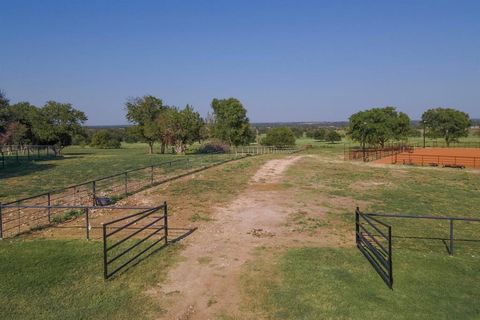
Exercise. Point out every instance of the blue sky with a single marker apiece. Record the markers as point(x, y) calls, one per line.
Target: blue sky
point(285, 60)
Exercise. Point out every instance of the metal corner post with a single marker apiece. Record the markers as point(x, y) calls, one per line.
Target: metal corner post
point(165, 220)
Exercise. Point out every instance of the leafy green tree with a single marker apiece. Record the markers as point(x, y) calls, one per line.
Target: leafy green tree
point(447, 123)
point(279, 137)
point(4, 115)
point(377, 126)
point(231, 123)
point(144, 113)
point(56, 123)
point(27, 116)
point(333, 136)
point(105, 139)
point(319, 134)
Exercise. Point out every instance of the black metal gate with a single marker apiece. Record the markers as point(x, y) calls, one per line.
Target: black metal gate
point(374, 239)
point(119, 252)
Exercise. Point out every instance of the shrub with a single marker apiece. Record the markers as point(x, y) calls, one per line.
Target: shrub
point(333, 136)
point(213, 146)
point(104, 139)
point(279, 137)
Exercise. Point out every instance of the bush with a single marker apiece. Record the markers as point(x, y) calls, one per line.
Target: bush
point(279, 137)
point(333, 136)
point(104, 139)
point(213, 146)
point(319, 134)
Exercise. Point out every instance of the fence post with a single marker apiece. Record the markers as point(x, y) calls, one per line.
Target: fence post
point(94, 191)
point(87, 223)
point(105, 271)
point(451, 237)
point(151, 175)
point(126, 183)
point(49, 213)
point(390, 263)
point(1, 222)
point(165, 220)
point(357, 226)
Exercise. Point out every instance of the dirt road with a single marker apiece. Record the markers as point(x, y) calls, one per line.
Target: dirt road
point(205, 283)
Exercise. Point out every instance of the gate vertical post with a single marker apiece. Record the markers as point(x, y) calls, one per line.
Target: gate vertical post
point(105, 271)
point(49, 212)
point(87, 223)
point(451, 238)
point(165, 220)
point(357, 226)
point(151, 175)
point(94, 192)
point(1, 222)
point(390, 264)
point(126, 183)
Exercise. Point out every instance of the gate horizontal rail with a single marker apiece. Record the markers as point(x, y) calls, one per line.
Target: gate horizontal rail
point(133, 219)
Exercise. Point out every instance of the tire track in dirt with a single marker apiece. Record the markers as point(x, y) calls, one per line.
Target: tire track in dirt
point(205, 283)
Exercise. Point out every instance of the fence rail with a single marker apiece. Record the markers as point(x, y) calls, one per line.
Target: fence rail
point(22, 215)
point(443, 144)
point(372, 154)
point(15, 154)
point(435, 160)
point(372, 242)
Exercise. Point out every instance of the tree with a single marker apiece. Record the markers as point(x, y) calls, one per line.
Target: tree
point(332, 136)
point(144, 113)
point(105, 139)
point(279, 137)
point(446, 123)
point(231, 123)
point(319, 134)
point(4, 115)
point(377, 126)
point(56, 124)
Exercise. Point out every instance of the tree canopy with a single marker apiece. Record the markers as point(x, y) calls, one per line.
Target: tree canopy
point(231, 123)
point(55, 123)
point(333, 136)
point(377, 126)
point(279, 137)
point(144, 113)
point(446, 123)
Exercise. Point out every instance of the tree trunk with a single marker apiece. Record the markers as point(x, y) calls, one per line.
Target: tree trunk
point(150, 147)
point(162, 148)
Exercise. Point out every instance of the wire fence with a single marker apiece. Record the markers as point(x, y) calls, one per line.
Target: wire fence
point(16, 154)
point(436, 160)
point(23, 215)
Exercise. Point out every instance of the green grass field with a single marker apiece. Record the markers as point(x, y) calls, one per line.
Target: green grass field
point(60, 279)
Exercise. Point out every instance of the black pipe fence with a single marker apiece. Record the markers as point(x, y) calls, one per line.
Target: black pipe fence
point(128, 238)
point(16, 154)
point(33, 212)
point(379, 255)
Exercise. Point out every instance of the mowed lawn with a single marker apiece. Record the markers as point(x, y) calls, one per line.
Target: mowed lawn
point(55, 279)
point(332, 282)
